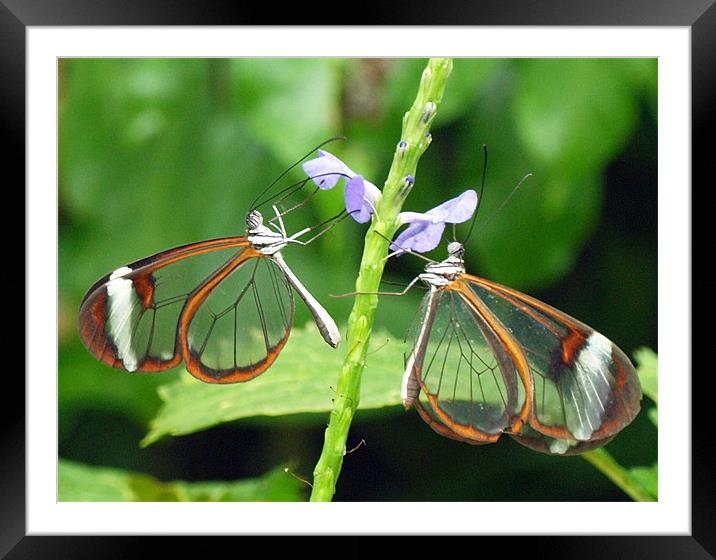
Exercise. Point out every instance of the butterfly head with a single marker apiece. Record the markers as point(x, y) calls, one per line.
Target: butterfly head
point(456, 250)
point(254, 220)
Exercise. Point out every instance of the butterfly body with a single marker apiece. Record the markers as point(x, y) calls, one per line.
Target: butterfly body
point(442, 274)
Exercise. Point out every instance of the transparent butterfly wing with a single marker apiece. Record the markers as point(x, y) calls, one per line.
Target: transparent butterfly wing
point(469, 388)
point(129, 318)
point(186, 304)
point(239, 328)
point(556, 446)
point(584, 388)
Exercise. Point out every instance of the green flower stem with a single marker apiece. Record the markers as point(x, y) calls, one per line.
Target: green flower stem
point(415, 140)
point(620, 476)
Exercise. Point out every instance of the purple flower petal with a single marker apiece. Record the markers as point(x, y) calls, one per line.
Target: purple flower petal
point(456, 210)
point(453, 211)
point(355, 200)
point(361, 197)
point(326, 170)
point(420, 237)
point(427, 228)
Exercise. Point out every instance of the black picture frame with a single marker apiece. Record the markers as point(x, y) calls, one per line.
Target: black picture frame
point(17, 15)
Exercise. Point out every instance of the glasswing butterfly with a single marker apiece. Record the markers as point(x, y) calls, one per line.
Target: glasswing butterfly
point(487, 360)
point(224, 307)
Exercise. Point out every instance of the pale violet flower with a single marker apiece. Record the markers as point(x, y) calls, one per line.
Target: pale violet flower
point(361, 196)
point(425, 230)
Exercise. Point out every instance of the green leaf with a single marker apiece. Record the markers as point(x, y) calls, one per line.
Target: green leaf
point(647, 369)
point(636, 480)
point(648, 477)
point(300, 381)
point(626, 479)
point(86, 483)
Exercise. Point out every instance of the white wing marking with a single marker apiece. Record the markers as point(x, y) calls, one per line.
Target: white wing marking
point(120, 292)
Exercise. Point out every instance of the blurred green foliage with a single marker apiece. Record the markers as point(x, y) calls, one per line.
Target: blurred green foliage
point(82, 483)
point(159, 152)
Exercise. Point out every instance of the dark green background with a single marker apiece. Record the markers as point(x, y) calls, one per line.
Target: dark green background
point(157, 153)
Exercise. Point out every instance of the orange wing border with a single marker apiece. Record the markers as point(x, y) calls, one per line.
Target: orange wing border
point(626, 403)
point(93, 313)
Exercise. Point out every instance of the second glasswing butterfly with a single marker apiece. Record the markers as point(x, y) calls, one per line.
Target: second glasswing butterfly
point(224, 306)
point(487, 359)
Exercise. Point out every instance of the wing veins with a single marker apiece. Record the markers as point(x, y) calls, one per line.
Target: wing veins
point(170, 300)
point(487, 367)
point(473, 370)
point(127, 315)
point(472, 411)
point(206, 338)
point(499, 390)
point(464, 333)
point(561, 401)
point(262, 318)
point(588, 379)
point(240, 296)
point(276, 292)
point(577, 408)
point(236, 334)
point(442, 369)
point(148, 351)
point(457, 375)
point(427, 371)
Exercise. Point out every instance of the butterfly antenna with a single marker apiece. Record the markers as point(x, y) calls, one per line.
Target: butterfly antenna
point(329, 224)
point(295, 206)
point(297, 187)
point(479, 196)
point(286, 192)
point(504, 203)
point(285, 172)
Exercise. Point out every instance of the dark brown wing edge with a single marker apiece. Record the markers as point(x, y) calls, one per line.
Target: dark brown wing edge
point(93, 309)
point(431, 412)
point(627, 394)
point(193, 362)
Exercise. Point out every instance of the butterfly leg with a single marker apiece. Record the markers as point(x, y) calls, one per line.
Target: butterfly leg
point(401, 293)
point(325, 323)
point(280, 221)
